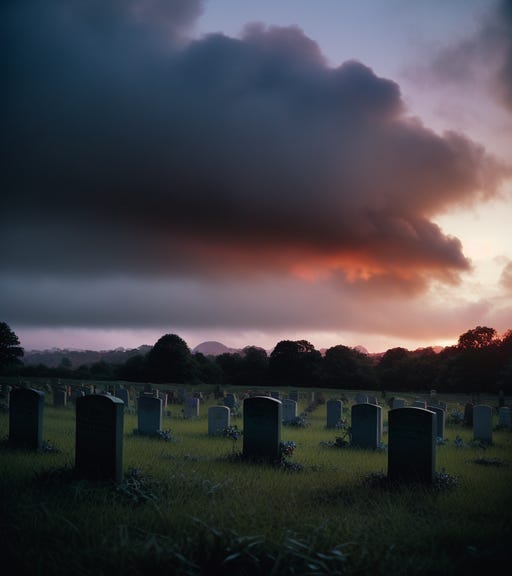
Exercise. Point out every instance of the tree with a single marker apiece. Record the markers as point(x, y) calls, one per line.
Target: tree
point(10, 350)
point(295, 363)
point(170, 360)
point(347, 368)
point(478, 338)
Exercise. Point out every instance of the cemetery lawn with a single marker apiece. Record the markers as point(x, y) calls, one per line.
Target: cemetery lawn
point(188, 504)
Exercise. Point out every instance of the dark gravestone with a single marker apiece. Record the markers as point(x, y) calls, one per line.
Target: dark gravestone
point(366, 425)
point(468, 414)
point(262, 418)
point(149, 415)
point(411, 445)
point(334, 412)
point(218, 419)
point(99, 438)
point(26, 418)
point(124, 395)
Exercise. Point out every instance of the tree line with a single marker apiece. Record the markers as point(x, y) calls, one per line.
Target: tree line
point(481, 361)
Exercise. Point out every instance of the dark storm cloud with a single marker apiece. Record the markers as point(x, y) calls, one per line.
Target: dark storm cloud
point(127, 150)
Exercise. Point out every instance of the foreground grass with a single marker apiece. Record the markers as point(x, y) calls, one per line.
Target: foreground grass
point(188, 506)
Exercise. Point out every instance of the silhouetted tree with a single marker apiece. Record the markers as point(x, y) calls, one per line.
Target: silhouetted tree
point(170, 360)
point(295, 363)
point(10, 350)
point(344, 367)
point(393, 369)
point(208, 371)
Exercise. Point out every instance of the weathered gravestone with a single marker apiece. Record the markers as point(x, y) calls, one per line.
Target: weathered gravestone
point(230, 401)
point(262, 417)
point(99, 438)
point(191, 407)
point(411, 445)
point(482, 423)
point(334, 412)
point(218, 419)
point(149, 415)
point(366, 425)
point(289, 410)
point(26, 418)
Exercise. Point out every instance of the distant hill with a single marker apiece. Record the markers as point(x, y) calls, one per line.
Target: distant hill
point(213, 348)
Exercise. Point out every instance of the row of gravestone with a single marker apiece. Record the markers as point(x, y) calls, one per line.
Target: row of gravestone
point(412, 432)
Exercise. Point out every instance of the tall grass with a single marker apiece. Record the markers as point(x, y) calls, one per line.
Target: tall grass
point(187, 506)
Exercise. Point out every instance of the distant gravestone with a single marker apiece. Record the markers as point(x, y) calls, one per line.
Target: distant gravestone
point(275, 394)
point(191, 407)
point(60, 397)
point(334, 412)
point(366, 426)
point(230, 400)
point(482, 423)
point(124, 395)
point(218, 419)
point(468, 414)
point(504, 417)
point(294, 395)
point(419, 403)
point(411, 445)
point(26, 418)
point(440, 419)
point(149, 415)
point(372, 400)
point(398, 403)
point(289, 410)
point(361, 398)
point(262, 417)
point(99, 438)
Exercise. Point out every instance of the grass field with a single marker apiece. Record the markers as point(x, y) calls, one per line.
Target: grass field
point(188, 505)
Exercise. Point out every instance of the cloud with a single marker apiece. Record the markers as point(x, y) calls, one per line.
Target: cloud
point(485, 56)
point(131, 152)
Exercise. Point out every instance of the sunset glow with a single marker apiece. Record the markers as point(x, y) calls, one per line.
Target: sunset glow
point(252, 172)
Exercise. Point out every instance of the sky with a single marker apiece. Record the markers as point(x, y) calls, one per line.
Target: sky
point(250, 172)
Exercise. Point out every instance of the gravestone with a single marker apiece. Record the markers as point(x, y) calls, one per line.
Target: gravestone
point(468, 414)
point(262, 417)
point(372, 400)
point(440, 419)
point(218, 419)
point(5, 391)
point(334, 412)
point(230, 400)
point(26, 418)
point(361, 398)
point(482, 423)
point(124, 395)
point(289, 410)
point(366, 425)
point(191, 407)
point(294, 395)
point(398, 403)
point(60, 396)
point(419, 403)
point(411, 445)
point(149, 415)
point(504, 417)
point(275, 394)
point(99, 438)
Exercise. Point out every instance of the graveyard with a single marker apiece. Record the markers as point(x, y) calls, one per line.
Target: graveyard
point(119, 479)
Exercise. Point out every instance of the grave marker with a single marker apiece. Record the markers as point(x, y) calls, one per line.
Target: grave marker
point(26, 418)
point(218, 419)
point(366, 425)
point(99, 437)
point(411, 445)
point(289, 410)
point(149, 415)
point(482, 423)
point(334, 412)
point(262, 417)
